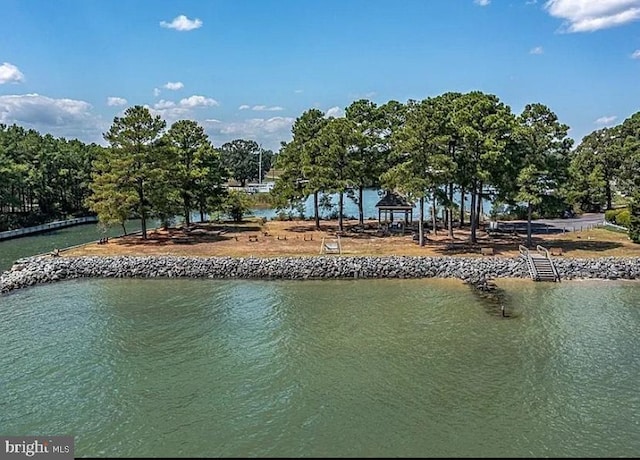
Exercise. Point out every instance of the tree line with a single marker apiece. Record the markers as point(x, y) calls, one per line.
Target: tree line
point(42, 178)
point(146, 172)
point(468, 143)
point(471, 144)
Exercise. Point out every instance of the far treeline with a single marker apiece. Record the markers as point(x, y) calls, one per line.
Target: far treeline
point(147, 171)
point(469, 143)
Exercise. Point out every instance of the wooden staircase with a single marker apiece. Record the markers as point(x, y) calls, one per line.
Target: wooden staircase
point(539, 264)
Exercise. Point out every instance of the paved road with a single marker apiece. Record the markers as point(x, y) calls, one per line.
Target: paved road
point(539, 226)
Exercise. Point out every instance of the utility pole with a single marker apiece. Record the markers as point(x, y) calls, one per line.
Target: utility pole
point(260, 166)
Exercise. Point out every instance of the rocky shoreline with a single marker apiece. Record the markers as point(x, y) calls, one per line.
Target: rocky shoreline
point(45, 269)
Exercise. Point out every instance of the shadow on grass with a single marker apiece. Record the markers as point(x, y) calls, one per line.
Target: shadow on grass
point(583, 245)
point(172, 238)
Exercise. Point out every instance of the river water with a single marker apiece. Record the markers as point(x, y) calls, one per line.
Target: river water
point(13, 249)
point(370, 198)
point(323, 368)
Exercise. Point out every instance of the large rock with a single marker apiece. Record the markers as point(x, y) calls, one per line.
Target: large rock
point(44, 269)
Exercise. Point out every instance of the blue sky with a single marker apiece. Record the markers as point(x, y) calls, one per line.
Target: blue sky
point(248, 68)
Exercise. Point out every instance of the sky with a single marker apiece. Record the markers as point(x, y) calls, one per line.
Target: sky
point(246, 69)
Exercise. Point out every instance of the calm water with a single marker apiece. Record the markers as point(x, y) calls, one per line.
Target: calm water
point(327, 368)
point(370, 198)
point(11, 250)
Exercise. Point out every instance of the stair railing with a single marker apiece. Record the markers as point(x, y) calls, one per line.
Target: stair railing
point(544, 251)
point(524, 252)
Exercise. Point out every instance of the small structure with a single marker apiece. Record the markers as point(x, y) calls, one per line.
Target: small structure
point(331, 247)
point(391, 204)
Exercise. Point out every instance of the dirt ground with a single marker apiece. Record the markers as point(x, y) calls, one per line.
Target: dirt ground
point(299, 238)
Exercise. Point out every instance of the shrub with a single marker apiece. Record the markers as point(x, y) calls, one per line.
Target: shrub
point(237, 205)
point(610, 215)
point(624, 218)
point(614, 216)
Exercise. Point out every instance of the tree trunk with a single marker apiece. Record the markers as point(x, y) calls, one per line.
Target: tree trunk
point(479, 205)
point(461, 207)
point(316, 210)
point(340, 205)
point(143, 213)
point(473, 215)
point(360, 205)
point(434, 217)
point(450, 211)
point(609, 197)
point(421, 223)
point(187, 210)
point(529, 207)
point(201, 214)
point(124, 229)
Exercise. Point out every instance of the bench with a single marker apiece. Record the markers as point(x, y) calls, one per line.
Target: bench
point(253, 238)
point(331, 247)
point(486, 251)
point(555, 251)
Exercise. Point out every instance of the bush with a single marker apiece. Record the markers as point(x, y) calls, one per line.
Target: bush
point(624, 218)
point(618, 216)
point(237, 205)
point(610, 215)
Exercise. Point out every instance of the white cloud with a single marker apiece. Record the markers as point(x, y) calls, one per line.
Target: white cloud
point(184, 109)
point(198, 101)
point(173, 86)
point(116, 101)
point(182, 23)
point(244, 107)
point(170, 112)
point(358, 96)
point(162, 104)
point(256, 126)
point(34, 108)
point(264, 108)
point(335, 112)
point(482, 2)
point(591, 15)
point(212, 120)
point(537, 50)
point(69, 118)
point(636, 54)
point(298, 91)
point(10, 74)
point(268, 132)
point(156, 92)
point(606, 120)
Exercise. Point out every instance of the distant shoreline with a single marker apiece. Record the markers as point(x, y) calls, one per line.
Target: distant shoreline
point(49, 226)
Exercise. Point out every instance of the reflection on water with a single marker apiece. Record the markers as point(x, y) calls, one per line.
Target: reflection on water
point(323, 368)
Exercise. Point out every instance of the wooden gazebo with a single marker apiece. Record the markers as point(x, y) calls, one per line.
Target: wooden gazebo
point(391, 204)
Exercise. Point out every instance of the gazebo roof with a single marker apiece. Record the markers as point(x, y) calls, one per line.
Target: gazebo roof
point(393, 201)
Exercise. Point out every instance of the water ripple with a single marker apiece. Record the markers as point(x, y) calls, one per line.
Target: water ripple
point(330, 368)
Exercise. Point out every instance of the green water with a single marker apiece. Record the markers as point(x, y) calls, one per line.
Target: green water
point(13, 249)
point(327, 368)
